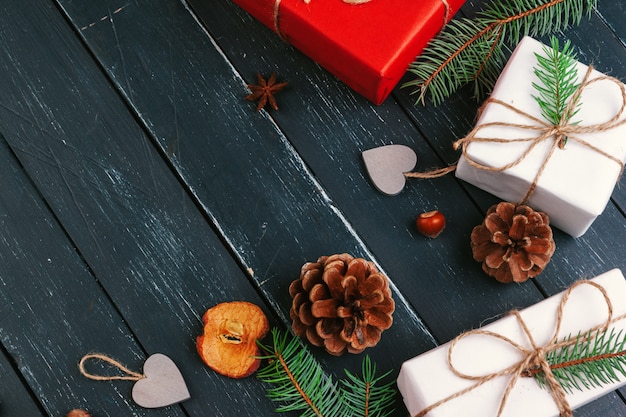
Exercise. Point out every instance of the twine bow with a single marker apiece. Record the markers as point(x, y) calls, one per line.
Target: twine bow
point(544, 131)
point(533, 358)
point(446, 17)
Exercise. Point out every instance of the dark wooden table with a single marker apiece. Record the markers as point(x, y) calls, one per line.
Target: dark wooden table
point(138, 189)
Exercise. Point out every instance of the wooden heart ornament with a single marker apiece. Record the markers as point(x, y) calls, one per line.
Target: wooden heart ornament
point(386, 166)
point(162, 383)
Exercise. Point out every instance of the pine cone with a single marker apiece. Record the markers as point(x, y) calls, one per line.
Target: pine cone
point(514, 242)
point(342, 303)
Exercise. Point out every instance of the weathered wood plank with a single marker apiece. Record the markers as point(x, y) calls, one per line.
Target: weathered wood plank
point(52, 311)
point(135, 226)
point(15, 399)
point(612, 13)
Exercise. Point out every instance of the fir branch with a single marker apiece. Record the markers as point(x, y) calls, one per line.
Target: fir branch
point(557, 74)
point(365, 396)
point(589, 362)
point(301, 384)
point(474, 50)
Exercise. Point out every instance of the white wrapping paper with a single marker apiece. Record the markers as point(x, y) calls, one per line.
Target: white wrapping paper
point(577, 182)
point(427, 378)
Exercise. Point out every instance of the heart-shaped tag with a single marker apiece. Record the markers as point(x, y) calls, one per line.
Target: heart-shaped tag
point(162, 384)
point(386, 166)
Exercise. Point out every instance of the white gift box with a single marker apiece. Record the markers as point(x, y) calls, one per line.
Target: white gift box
point(427, 379)
point(578, 181)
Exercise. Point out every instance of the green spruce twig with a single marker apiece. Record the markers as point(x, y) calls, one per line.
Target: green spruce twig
point(299, 383)
point(557, 74)
point(474, 50)
point(365, 395)
point(588, 362)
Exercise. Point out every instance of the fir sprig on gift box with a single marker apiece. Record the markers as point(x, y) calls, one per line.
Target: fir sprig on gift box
point(558, 75)
point(301, 384)
point(474, 50)
point(588, 362)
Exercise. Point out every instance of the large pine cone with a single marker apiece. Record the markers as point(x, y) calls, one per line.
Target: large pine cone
point(514, 242)
point(342, 303)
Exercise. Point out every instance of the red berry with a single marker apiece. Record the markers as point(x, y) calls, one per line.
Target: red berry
point(431, 223)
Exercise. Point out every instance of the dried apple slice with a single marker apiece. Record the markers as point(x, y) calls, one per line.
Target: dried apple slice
point(228, 345)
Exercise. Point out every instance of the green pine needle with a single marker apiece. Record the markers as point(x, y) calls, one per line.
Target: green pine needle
point(589, 362)
point(557, 74)
point(301, 384)
point(474, 50)
point(365, 396)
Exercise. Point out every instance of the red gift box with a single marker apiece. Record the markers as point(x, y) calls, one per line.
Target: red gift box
point(368, 46)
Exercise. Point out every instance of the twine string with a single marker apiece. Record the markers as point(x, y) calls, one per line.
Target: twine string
point(276, 12)
point(277, 19)
point(533, 358)
point(129, 375)
point(446, 11)
point(543, 131)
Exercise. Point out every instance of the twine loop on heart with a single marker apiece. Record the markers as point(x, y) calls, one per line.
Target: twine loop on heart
point(446, 17)
point(129, 375)
point(559, 133)
point(533, 358)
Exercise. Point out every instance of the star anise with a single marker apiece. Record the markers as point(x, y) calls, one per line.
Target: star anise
point(263, 93)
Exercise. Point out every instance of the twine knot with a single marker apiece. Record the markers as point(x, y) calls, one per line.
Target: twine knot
point(559, 134)
point(533, 359)
point(534, 363)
